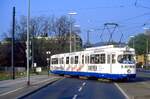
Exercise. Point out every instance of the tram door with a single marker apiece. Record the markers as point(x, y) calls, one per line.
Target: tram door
point(109, 62)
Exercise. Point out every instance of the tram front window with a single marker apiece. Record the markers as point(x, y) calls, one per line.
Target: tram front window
point(126, 59)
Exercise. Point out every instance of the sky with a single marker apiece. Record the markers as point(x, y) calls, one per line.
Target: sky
point(91, 15)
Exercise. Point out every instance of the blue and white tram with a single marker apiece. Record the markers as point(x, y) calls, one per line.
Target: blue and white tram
point(110, 62)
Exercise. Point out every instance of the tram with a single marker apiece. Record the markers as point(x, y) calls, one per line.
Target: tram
point(108, 62)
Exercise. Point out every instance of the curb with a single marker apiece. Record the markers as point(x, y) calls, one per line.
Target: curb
point(41, 87)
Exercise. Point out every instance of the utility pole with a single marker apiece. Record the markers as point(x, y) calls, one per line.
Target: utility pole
point(88, 37)
point(70, 31)
point(32, 47)
point(70, 35)
point(12, 51)
point(28, 30)
point(74, 42)
point(147, 52)
point(88, 41)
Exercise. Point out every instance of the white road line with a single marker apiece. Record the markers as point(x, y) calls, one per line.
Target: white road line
point(126, 96)
point(80, 89)
point(11, 91)
point(75, 96)
point(84, 84)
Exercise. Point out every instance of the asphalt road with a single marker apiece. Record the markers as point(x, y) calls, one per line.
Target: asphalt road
point(74, 88)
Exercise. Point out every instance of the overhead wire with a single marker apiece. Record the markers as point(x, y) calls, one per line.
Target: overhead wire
point(137, 5)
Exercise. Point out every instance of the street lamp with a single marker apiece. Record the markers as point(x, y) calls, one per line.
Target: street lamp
point(88, 37)
point(48, 60)
point(75, 26)
point(133, 42)
point(70, 14)
point(147, 32)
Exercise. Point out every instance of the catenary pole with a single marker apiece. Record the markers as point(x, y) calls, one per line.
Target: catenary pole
point(28, 30)
point(12, 51)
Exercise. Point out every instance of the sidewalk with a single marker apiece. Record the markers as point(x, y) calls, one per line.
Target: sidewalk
point(12, 89)
point(138, 89)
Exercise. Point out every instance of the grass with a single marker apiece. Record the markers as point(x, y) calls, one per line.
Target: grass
point(8, 75)
point(4, 76)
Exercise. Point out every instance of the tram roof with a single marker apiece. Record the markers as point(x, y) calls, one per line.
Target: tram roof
point(104, 47)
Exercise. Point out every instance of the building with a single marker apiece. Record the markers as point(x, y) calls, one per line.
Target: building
point(76, 40)
point(140, 59)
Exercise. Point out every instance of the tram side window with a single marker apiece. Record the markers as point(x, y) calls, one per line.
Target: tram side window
point(54, 60)
point(86, 59)
point(82, 59)
point(102, 56)
point(97, 59)
point(113, 58)
point(92, 57)
point(76, 59)
point(67, 60)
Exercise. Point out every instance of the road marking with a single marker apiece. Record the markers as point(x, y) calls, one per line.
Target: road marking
point(80, 89)
point(11, 91)
point(75, 96)
point(84, 84)
point(122, 91)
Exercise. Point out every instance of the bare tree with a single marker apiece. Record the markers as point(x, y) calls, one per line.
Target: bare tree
point(56, 28)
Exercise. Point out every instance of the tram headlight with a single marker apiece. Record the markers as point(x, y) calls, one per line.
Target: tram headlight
point(129, 71)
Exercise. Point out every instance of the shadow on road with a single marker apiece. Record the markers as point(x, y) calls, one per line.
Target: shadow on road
point(141, 77)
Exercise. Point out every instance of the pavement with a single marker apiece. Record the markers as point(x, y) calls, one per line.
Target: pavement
point(137, 89)
point(73, 88)
point(18, 88)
